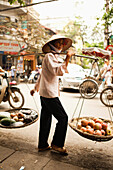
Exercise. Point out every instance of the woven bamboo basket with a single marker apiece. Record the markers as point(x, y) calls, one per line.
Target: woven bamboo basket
point(25, 124)
point(73, 124)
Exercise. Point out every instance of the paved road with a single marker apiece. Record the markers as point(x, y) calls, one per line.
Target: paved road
point(83, 153)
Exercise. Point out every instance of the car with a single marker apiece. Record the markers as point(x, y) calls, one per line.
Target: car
point(72, 79)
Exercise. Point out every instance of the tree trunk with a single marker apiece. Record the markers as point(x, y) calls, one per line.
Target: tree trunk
point(107, 28)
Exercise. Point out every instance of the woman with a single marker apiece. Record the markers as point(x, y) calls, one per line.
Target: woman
point(47, 85)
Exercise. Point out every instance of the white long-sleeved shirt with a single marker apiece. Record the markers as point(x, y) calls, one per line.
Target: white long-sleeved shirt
point(48, 84)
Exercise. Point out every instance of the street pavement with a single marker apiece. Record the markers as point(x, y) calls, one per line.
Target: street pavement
point(18, 148)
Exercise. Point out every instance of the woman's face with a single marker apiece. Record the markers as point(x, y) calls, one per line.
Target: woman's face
point(59, 44)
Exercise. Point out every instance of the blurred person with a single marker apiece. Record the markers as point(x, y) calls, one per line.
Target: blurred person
point(18, 75)
point(107, 72)
point(37, 72)
point(40, 68)
point(95, 70)
point(47, 85)
point(13, 72)
point(37, 69)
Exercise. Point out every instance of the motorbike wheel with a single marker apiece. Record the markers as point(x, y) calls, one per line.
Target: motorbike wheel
point(30, 81)
point(16, 99)
point(106, 96)
point(88, 89)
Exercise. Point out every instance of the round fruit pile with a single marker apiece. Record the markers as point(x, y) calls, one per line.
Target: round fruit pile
point(18, 118)
point(94, 126)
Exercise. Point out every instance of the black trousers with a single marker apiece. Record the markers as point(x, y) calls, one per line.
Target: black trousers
point(52, 106)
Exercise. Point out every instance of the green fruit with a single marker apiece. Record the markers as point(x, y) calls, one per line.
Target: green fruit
point(3, 116)
point(7, 121)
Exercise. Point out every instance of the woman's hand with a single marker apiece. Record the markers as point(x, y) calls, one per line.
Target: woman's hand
point(70, 53)
point(32, 92)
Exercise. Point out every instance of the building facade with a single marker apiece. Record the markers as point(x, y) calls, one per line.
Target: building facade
point(12, 44)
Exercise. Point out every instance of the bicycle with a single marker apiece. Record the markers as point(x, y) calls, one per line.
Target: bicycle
point(106, 96)
point(89, 87)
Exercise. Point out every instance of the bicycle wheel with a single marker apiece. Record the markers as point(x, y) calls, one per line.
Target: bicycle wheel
point(106, 96)
point(88, 89)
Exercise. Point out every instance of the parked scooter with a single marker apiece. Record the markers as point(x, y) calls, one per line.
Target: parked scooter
point(10, 93)
point(33, 77)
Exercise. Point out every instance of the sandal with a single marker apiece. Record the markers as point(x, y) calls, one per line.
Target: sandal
point(44, 149)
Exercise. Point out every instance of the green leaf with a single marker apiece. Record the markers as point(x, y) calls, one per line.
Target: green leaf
point(21, 2)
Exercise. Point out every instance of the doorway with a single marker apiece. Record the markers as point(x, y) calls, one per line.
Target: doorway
point(28, 67)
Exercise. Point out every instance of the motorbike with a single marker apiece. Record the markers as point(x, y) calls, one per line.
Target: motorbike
point(33, 77)
point(10, 93)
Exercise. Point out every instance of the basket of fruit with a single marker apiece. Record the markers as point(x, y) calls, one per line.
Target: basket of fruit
point(17, 118)
point(96, 129)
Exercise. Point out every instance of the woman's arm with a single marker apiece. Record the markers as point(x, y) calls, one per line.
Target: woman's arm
point(36, 88)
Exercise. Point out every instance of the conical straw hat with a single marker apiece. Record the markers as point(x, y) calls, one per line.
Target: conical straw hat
point(67, 43)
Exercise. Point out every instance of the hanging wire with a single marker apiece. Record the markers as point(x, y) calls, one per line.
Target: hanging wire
point(33, 98)
point(76, 107)
point(109, 108)
point(110, 112)
point(80, 109)
point(26, 5)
